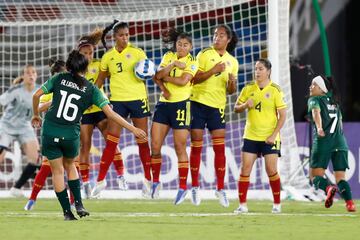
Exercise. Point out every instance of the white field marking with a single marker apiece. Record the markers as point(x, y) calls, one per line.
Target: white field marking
point(144, 214)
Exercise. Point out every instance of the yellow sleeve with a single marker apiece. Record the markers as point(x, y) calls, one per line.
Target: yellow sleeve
point(191, 67)
point(165, 60)
point(104, 63)
point(201, 59)
point(235, 69)
point(279, 100)
point(46, 98)
point(243, 96)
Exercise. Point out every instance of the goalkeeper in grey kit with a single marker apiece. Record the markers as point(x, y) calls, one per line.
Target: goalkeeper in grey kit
point(72, 95)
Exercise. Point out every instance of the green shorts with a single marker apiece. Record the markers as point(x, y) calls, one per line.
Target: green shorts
point(339, 160)
point(53, 147)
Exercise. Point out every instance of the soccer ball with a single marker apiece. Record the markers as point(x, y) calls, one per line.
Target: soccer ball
point(144, 69)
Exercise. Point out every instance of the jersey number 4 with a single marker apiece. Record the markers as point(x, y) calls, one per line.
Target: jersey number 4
point(66, 105)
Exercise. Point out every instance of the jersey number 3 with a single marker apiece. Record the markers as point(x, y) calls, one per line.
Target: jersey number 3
point(66, 105)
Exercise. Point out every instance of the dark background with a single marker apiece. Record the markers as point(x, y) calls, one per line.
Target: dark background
point(343, 37)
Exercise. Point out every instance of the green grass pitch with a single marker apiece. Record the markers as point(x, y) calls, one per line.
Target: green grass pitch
point(160, 219)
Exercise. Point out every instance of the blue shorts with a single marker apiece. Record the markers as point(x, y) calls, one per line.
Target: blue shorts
point(261, 148)
point(93, 118)
point(205, 116)
point(177, 115)
point(134, 109)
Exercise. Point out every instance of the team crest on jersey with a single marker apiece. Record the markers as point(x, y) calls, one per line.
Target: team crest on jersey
point(128, 56)
point(228, 63)
point(93, 70)
point(267, 95)
point(213, 60)
point(193, 67)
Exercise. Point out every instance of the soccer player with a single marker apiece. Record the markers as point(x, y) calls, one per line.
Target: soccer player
point(128, 97)
point(72, 95)
point(329, 141)
point(216, 77)
point(94, 117)
point(15, 124)
point(266, 115)
point(56, 66)
point(176, 70)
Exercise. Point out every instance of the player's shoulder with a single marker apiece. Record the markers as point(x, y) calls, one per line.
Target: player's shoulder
point(169, 54)
point(250, 84)
point(275, 86)
point(190, 57)
point(206, 50)
point(135, 49)
point(109, 52)
point(15, 88)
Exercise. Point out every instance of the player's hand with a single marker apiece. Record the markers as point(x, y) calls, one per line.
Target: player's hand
point(36, 121)
point(219, 67)
point(140, 133)
point(166, 94)
point(270, 140)
point(180, 65)
point(250, 103)
point(320, 132)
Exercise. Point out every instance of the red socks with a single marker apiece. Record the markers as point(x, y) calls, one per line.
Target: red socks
point(108, 156)
point(156, 167)
point(243, 186)
point(144, 152)
point(183, 173)
point(84, 171)
point(275, 187)
point(118, 163)
point(220, 160)
point(195, 159)
point(40, 179)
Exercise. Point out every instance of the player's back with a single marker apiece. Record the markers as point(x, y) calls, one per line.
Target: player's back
point(69, 102)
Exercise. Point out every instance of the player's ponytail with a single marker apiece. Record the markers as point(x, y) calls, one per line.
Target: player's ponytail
point(92, 38)
point(231, 35)
point(56, 66)
point(172, 35)
point(331, 86)
point(77, 65)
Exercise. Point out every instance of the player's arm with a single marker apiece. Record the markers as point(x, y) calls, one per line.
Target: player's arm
point(165, 71)
point(201, 76)
point(164, 91)
point(7, 97)
point(318, 121)
point(122, 122)
point(243, 102)
point(180, 81)
point(101, 78)
point(36, 119)
point(43, 107)
point(280, 123)
point(231, 84)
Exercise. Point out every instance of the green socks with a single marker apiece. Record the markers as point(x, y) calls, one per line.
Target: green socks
point(74, 186)
point(64, 200)
point(344, 190)
point(320, 183)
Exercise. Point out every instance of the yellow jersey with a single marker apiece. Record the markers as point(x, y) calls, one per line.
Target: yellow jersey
point(124, 85)
point(262, 119)
point(178, 93)
point(91, 75)
point(212, 92)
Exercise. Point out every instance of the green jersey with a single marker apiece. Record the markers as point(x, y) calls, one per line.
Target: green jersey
point(62, 120)
point(331, 119)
